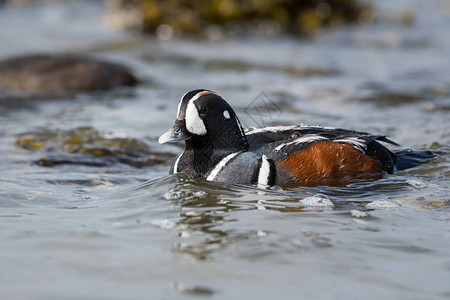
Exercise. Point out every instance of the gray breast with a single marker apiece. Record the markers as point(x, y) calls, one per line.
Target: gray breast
point(240, 169)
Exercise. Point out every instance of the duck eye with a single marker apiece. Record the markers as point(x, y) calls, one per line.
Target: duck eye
point(203, 110)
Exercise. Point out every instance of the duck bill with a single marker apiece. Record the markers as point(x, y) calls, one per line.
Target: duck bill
point(175, 134)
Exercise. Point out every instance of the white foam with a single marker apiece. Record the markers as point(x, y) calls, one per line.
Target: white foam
point(317, 200)
point(164, 224)
point(185, 234)
point(261, 233)
point(174, 195)
point(360, 222)
point(358, 214)
point(418, 184)
point(379, 204)
point(199, 194)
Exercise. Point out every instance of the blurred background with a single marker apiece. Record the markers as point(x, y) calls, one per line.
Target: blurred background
point(87, 87)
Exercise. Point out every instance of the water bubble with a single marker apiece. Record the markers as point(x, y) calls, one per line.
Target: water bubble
point(164, 32)
point(358, 214)
point(381, 204)
point(317, 200)
point(261, 233)
point(164, 224)
point(174, 195)
point(418, 184)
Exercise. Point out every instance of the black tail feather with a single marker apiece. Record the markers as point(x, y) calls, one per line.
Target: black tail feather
point(408, 158)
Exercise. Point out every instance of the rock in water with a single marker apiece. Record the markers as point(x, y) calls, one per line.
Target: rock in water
point(56, 74)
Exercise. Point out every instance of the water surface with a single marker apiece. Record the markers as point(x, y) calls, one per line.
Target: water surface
point(121, 232)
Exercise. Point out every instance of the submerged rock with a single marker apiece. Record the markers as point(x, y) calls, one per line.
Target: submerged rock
point(392, 98)
point(56, 74)
point(89, 146)
point(97, 161)
point(235, 65)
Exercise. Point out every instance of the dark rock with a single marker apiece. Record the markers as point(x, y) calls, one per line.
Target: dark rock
point(61, 74)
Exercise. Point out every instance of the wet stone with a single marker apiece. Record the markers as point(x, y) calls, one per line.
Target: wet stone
point(60, 74)
point(90, 147)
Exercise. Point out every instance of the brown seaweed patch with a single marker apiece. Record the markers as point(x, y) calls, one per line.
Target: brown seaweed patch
point(89, 146)
point(232, 17)
point(437, 204)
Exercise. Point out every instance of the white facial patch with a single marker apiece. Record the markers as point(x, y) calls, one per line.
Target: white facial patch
point(194, 124)
point(226, 114)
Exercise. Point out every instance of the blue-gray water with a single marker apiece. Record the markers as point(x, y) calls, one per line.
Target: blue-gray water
point(118, 232)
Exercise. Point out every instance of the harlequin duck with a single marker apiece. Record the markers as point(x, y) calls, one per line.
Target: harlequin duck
point(219, 149)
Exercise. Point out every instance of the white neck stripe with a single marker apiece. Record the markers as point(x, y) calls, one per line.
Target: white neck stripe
point(221, 165)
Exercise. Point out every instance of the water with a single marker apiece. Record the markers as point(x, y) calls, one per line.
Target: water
point(120, 232)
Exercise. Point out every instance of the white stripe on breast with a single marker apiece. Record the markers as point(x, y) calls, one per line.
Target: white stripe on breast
point(221, 165)
point(264, 172)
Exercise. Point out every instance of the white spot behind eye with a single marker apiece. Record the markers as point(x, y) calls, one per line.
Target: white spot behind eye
point(226, 114)
point(194, 124)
